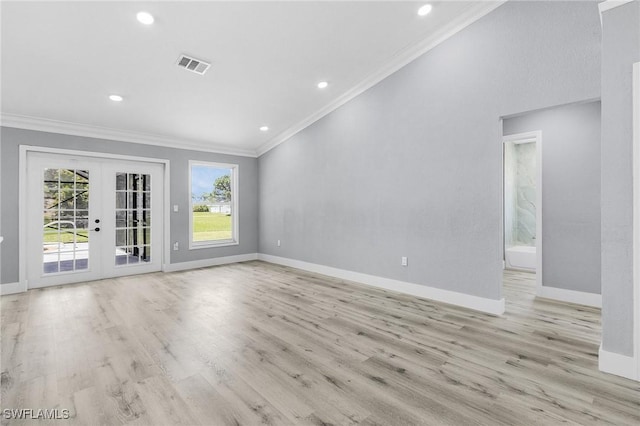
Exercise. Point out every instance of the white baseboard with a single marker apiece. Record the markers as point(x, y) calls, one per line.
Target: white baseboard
point(12, 288)
point(571, 296)
point(17, 287)
point(620, 365)
point(172, 267)
point(489, 306)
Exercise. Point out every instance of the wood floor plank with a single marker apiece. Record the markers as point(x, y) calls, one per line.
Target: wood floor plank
point(256, 343)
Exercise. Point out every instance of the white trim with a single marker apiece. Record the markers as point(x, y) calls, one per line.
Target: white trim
point(571, 296)
point(18, 287)
point(211, 244)
point(22, 214)
point(636, 211)
point(22, 198)
point(92, 154)
point(531, 137)
point(611, 4)
point(195, 264)
point(12, 288)
point(235, 215)
point(620, 365)
point(402, 58)
point(89, 131)
point(514, 268)
point(399, 60)
point(166, 249)
point(489, 306)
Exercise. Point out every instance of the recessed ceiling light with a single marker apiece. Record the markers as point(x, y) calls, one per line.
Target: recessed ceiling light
point(264, 128)
point(145, 18)
point(424, 10)
point(322, 84)
point(116, 98)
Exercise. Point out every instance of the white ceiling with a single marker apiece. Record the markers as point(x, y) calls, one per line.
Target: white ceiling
point(61, 60)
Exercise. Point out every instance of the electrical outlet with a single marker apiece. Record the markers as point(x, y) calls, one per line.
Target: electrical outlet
point(404, 261)
point(176, 247)
point(278, 243)
point(175, 209)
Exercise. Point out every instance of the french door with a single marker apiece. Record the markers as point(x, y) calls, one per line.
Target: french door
point(91, 218)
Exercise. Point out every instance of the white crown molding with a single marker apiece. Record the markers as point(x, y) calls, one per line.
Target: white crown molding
point(399, 60)
point(611, 4)
point(481, 304)
point(86, 130)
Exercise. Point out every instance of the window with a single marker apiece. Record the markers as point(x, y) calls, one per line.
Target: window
point(214, 204)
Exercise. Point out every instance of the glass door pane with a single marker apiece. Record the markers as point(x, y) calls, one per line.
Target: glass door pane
point(73, 235)
point(132, 218)
point(65, 220)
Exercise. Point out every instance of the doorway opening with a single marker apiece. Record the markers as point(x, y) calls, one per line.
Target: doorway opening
point(522, 202)
point(565, 199)
point(90, 218)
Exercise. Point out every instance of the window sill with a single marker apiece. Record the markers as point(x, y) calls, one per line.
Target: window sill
point(207, 244)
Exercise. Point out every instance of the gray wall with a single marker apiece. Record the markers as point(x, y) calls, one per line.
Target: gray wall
point(180, 192)
point(412, 167)
point(570, 193)
point(620, 49)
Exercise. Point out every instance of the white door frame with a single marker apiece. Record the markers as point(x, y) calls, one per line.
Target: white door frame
point(22, 200)
point(527, 137)
point(636, 214)
point(109, 269)
point(36, 163)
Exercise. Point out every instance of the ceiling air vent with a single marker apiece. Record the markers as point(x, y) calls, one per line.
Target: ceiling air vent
point(192, 64)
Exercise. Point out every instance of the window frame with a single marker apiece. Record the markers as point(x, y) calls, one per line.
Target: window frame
point(235, 228)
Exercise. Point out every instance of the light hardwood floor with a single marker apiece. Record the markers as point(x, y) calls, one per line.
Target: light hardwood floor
point(256, 343)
